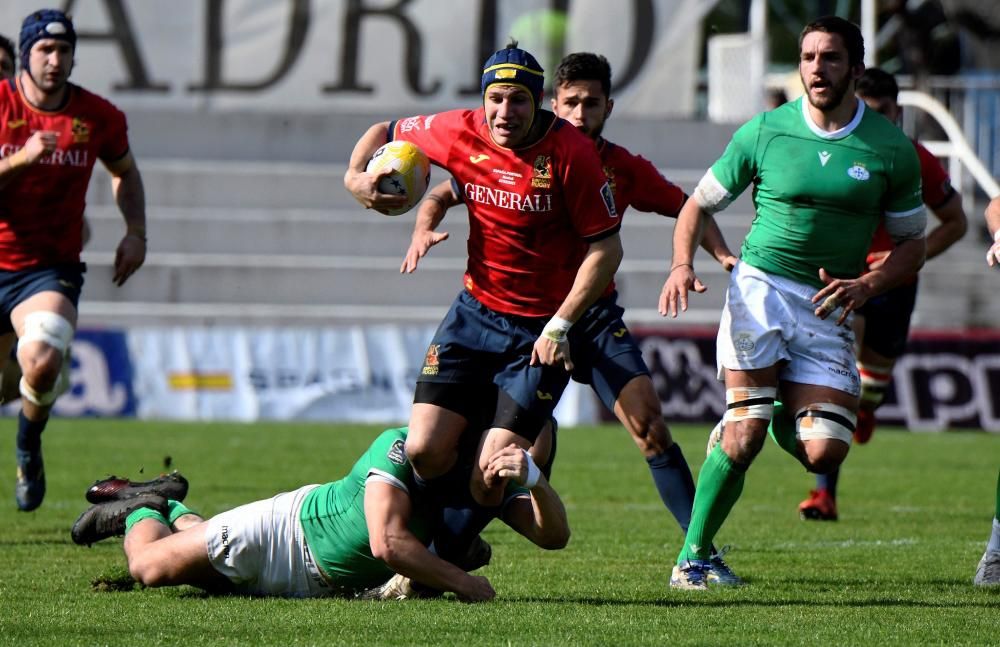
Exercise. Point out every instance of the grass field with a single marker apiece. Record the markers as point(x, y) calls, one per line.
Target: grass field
point(896, 569)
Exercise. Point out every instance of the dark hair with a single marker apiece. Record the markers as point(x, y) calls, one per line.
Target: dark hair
point(848, 32)
point(7, 45)
point(584, 66)
point(877, 84)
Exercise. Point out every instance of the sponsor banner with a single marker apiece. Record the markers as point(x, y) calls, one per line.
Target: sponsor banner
point(350, 374)
point(943, 381)
point(347, 55)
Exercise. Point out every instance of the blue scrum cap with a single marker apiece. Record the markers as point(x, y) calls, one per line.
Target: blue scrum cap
point(44, 23)
point(513, 66)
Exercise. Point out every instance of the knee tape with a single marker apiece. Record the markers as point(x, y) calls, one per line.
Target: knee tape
point(750, 402)
point(56, 331)
point(825, 420)
point(49, 328)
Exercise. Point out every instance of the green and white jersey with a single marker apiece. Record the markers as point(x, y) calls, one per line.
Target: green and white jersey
point(333, 515)
point(818, 195)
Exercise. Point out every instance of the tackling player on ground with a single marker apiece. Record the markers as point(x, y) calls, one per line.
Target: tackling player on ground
point(604, 354)
point(543, 246)
point(52, 132)
point(342, 538)
point(825, 171)
point(883, 323)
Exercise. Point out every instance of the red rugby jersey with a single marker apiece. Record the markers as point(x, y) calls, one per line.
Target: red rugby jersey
point(935, 187)
point(41, 209)
point(531, 210)
point(635, 182)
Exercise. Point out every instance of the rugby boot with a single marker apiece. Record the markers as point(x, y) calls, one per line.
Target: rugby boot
point(820, 506)
point(988, 571)
point(29, 488)
point(103, 520)
point(692, 575)
point(719, 572)
point(169, 486)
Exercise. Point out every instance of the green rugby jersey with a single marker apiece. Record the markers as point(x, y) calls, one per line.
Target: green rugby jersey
point(333, 515)
point(818, 196)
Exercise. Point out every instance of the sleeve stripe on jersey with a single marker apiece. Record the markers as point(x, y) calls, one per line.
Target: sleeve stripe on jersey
point(908, 227)
point(392, 131)
point(904, 214)
point(384, 477)
point(607, 233)
point(710, 195)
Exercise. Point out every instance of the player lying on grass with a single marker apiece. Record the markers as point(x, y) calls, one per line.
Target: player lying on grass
point(340, 538)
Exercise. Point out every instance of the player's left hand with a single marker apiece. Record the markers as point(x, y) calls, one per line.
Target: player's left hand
point(129, 257)
point(550, 352)
point(846, 294)
point(508, 463)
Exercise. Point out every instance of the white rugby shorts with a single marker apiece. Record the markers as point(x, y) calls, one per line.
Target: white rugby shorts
point(768, 319)
point(261, 549)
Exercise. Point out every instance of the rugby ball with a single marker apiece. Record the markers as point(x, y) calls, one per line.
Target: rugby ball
point(411, 173)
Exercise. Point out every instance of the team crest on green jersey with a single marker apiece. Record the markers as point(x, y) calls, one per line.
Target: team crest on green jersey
point(397, 454)
point(859, 172)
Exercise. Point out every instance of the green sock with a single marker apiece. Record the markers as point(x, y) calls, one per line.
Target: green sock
point(782, 430)
point(720, 484)
point(143, 513)
point(176, 510)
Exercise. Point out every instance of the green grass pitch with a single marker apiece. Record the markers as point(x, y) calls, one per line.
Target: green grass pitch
point(895, 570)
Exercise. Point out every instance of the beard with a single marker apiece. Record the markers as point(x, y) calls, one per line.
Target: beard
point(833, 99)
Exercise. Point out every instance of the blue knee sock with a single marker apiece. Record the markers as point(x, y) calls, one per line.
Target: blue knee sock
point(828, 482)
point(673, 480)
point(29, 434)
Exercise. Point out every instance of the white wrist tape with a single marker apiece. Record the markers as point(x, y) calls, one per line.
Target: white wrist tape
point(556, 329)
point(533, 471)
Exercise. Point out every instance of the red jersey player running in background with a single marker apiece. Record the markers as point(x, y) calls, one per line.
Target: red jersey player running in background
point(51, 134)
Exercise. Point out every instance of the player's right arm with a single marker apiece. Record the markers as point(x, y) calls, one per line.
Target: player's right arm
point(430, 213)
point(387, 514)
point(39, 145)
point(540, 517)
point(992, 216)
point(363, 185)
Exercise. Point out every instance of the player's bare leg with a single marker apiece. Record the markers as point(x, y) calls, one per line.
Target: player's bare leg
point(44, 323)
point(158, 557)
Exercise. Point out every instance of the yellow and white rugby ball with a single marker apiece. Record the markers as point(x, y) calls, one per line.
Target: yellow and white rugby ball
point(411, 173)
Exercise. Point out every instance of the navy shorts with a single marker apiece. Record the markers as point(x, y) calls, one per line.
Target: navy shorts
point(16, 286)
point(476, 348)
point(604, 354)
point(887, 320)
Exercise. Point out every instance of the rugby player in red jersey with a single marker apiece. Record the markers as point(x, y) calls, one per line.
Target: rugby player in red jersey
point(884, 322)
point(51, 134)
point(605, 355)
point(543, 246)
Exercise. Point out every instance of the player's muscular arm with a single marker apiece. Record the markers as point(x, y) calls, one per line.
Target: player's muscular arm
point(363, 185)
point(430, 213)
point(682, 279)
point(387, 513)
point(592, 277)
point(714, 243)
point(541, 518)
point(952, 227)
point(39, 146)
point(130, 196)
